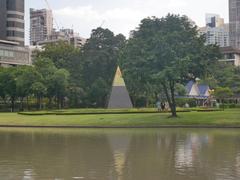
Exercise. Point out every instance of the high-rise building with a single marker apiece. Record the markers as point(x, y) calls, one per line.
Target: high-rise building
point(214, 20)
point(12, 50)
point(3, 19)
point(66, 35)
point(215, 31)
point(12, 21)
point(41, 25)
point(234, 23)
point(216, 35)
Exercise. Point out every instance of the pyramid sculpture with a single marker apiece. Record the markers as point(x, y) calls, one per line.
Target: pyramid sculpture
point(119, 97)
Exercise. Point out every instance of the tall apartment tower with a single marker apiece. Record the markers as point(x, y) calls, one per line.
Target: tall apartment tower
point(234, 23)
point(41, 25)
point(215, 31)
point(12, 20)
point(214, 20)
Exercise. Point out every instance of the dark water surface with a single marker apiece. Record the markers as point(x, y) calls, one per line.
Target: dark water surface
point(120, 154)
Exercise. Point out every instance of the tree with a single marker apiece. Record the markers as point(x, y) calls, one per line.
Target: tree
point(62, 54)
point(99, 60)
point(2, 89)
point(39, 90)
point(46, 68)
point(224, 75)
point(222, 93)
point(95, 96)
point(25, 77)
point(59, 84)
point(8, 85)
point(166, 52)
point(55, 80)
point(75, 95)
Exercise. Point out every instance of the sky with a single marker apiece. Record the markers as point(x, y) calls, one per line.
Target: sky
point(122, 16)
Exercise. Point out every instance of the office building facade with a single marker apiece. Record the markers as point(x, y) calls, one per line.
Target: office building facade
point(41, 25)
point(11, 54)
point(216, 35)
point(12, 50)
point(12, 21)
point(234, 23)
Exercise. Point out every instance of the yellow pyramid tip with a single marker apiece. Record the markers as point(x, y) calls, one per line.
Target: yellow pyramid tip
point(118, 79)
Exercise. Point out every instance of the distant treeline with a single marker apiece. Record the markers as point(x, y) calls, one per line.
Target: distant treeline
point(161, 55)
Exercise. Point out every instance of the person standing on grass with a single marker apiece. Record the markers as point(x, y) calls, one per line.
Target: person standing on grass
point(163, 106)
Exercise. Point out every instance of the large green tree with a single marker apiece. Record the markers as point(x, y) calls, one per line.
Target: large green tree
point(59, 85)
point(99, 60)
point(39, 90)
point(165, 52)
point(25, 77)
point(55, 80)
point(224, 75)
point(8, 81)
point(223, 93)
point(65, 56)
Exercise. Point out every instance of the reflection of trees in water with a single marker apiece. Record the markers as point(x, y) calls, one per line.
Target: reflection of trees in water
point(181, 155)
point(219, 156)
point(119, 143)
point(57, 156)
point(238, 164)
point(150, 154)
point(207, 155)
point(187, 149)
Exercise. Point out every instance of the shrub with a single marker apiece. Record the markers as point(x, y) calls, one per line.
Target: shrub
point(182, 101)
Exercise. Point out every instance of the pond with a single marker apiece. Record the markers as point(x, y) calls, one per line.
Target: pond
point(119, 154)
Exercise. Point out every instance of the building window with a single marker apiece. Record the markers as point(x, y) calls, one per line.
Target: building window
point(15, 16)
point(15, 24)
point(15, 34)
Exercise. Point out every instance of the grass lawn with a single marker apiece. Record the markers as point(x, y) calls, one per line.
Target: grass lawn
point(230, 117)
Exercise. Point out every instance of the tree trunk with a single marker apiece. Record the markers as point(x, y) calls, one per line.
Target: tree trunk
point(170, 98)
point(223, 102)
point(39, 102)
point(50, 103)
point(173, 106)
point(12, 104)
point(147, 102)
point(21, 104)
point(27, 103)
point(59, 102)
point(62, 102)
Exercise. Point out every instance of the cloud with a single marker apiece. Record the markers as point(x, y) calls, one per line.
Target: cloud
point(89, 12)
point(86, 12)
point(177, 4)
point(119, 20)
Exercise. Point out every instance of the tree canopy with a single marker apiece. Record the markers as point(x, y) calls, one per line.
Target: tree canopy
point(99, 62)
point(165, 52)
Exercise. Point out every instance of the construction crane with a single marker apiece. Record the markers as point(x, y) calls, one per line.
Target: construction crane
point(49, 8)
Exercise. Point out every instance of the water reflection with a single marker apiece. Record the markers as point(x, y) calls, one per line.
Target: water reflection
point(104, 154)
point(238, 164)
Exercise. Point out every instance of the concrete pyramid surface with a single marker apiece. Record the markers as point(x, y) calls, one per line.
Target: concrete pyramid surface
point(119, 97)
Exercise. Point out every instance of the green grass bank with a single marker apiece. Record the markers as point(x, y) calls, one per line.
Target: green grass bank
point(77, 118)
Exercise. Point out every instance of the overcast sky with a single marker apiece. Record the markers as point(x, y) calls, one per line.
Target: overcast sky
point(121, 16)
